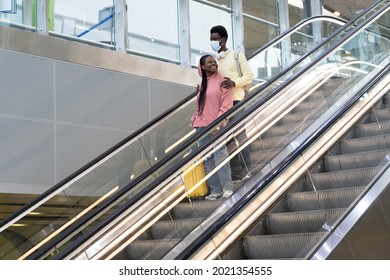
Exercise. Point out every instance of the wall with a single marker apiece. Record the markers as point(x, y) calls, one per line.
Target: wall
point(64, 103)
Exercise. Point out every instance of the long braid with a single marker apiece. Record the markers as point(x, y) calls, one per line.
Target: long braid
point(203, 87)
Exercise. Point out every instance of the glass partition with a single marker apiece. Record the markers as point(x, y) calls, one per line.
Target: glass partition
point(88, 19)
point(153, 28)
point(17, 13)
point(202, 17)
point(258, 33)
point(283, 53)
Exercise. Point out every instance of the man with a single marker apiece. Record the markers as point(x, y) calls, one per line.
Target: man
point(227, 66)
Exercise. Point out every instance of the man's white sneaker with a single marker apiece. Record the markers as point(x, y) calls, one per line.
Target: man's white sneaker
point(226, 194)
point(213, 196)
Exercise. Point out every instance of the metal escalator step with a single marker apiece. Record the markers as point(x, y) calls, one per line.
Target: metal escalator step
point(150, 249)
point(283, 130)
point(325, 199)
point(281, 246)
point(380, 114)
point(343, 178)
point(311, 105)
point(272, 143)
point(334, 83)
point(383, 104)
point(301, 116)
point(263, 157)
point(195, 209)
point(317, 94)
point(357, 160)
point(327, 91)
point(174, 228)
point(259, 157)
point(373, 143)
point(302, 221)
point(373, 129)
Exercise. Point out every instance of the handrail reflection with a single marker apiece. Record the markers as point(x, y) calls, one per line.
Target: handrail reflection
point(71, 221)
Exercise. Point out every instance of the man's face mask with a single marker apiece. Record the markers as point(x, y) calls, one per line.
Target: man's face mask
point(215, 46)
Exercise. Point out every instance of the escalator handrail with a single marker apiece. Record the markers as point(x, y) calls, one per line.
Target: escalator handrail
point(293, 29)
point(163, 177)
point(55, 189)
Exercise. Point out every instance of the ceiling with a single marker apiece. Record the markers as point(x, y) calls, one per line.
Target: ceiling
point(346, 7)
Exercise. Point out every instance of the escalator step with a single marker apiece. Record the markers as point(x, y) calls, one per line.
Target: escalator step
point(365, 144)
point(195, 209)
point(259, 157)
point(342, 179)
point(149, 250)
point(281, 246)
point(302, 221)
point(318, 94)
point(283, 130)
point(311, 105)
point(301, 116)
point(382, 114)
point(357, 160)
point(173, 229)
point(326, 199)
point(266, 144)
point(372, 129)
point(333, 83)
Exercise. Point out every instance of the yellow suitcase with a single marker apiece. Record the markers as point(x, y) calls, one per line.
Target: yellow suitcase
point(192, 175)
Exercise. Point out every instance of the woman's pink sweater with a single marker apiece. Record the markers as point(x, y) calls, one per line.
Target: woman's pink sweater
point(218, 101)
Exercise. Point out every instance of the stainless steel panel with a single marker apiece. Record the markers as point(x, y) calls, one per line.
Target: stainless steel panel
point(27, 154)
point(26, 86)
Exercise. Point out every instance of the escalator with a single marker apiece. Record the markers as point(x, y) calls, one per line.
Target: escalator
point(332, 179)
point(84, 190)
point(156, 177)
point(284, 125)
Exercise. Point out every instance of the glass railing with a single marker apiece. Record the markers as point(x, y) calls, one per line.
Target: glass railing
point(161, 202)
point(274, 131)
point(94, 22)
point(83, 191)
point(284, 51)
point(88, 20)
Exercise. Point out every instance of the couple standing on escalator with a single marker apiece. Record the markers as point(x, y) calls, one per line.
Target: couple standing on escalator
point(223, 82)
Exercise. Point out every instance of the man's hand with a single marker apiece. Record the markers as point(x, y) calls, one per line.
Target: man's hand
point(228, 83)
point(218, 128)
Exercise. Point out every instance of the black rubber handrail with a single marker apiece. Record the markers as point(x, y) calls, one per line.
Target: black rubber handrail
point(191, 156)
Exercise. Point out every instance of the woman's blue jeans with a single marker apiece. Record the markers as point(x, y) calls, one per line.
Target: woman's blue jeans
point(221, 180)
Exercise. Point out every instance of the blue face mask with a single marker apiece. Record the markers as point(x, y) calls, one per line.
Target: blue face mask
point(215, 46)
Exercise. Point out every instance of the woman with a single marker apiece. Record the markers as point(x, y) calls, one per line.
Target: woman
point(212, 102)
